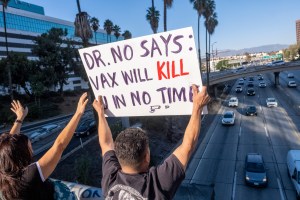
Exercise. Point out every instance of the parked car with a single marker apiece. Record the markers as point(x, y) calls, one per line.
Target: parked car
point(271, 102)
point(262, 84)
point(251, 110)
point(255, 170)
point(292, 84)
point(43, 132)
point(290, 75)
point(250, 92)
point(233, 101)
point(85, 128)
point(238, 89)
point(228, 118)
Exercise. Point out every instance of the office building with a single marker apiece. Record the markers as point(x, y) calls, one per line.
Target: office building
point(25, 21)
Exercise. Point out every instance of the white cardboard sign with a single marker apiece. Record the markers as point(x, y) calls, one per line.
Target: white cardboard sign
point(145, 76)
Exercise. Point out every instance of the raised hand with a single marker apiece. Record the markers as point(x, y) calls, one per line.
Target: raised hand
point(19, 110)
point(200, 99)
point(99, 105)
point(82, 104)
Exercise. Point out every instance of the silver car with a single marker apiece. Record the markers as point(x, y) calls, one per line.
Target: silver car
point(43, 132)
point(255, 170)
point(228, 118)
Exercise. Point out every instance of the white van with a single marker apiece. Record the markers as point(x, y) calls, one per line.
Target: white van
point(233, 101)
point(293, 165)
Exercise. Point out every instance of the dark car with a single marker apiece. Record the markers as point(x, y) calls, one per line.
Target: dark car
point(251, 110)
point(250, 92)
point(260, 78)
point(255, 170)
point(250, 84)
point(85, 128)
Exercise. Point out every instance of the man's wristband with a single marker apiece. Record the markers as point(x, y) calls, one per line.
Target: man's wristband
point(19, 121)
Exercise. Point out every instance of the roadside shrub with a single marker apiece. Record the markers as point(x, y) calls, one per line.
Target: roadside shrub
point(82, 168)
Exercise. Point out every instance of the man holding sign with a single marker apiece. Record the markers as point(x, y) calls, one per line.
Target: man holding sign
point(145, 76)
point(126, 173)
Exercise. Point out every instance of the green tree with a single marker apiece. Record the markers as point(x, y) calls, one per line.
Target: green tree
point(95, 26)
point(167, 4)
point(82, 26)
point(117, 31)
point(4, 6)
point(127, 35)
point(222, 65)
point(153, 17)
point(21, 69)
point(54, 58)
point(108, 27)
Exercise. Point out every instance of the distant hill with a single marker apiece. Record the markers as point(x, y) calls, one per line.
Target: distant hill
point(265, 48)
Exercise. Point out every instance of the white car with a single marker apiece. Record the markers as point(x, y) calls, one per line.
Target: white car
point(228, 118)
point(278, 63)
point(238, 89)
point(233, 101)
point(292, 84)
point(290, 75)
point(271, 102)
point(262, 85)
point(43, 132)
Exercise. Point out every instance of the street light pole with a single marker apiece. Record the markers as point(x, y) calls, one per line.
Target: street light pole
point(212, 51)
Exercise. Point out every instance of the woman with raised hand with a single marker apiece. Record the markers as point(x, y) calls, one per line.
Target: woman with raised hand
point(19, 177)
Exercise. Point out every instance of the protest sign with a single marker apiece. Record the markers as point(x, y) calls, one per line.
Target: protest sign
point(145, 76)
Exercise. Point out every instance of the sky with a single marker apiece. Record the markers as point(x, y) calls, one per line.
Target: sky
point(242, 23)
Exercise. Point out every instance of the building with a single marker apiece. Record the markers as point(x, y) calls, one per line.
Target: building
point(298, 31)
point(25, 21)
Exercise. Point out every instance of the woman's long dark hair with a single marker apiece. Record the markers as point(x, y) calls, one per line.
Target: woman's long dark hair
point(15, 156)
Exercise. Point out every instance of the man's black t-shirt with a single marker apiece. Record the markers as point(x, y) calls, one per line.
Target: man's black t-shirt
point(159, 182)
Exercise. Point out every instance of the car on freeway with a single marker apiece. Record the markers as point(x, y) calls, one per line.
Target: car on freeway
point(228, 118)
point(251, 78)
point(290, 75)
point(250, 84)
point(251, 110)
point(238, 89)
point(85, 128)
point(233, 101)
point(278, 63)
point(292, 84)
point(262, 84)
point(250, 92)
point(260, 78)
point(271, 102)
point(241, 83)
point(43, 132)
point(255, 170)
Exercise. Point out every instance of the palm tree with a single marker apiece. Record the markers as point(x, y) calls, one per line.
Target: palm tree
point(108, 27)
point(127, 35)
point(4, 6)
point(167, 4)
point(211, 24)
point(117, 31)
point(82, 26)
point(95, 26)
point(153, 17)
point(199, 6)
point(209, 11)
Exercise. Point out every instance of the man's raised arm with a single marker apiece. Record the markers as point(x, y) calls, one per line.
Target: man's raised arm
point(104, 132)
point(190, 138)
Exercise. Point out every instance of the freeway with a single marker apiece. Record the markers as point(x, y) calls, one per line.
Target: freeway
point(219, 159)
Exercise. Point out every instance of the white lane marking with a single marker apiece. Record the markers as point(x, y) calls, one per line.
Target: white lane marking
point(234, 185)
point(280, 189)
point(240, 133)
point(266, 131)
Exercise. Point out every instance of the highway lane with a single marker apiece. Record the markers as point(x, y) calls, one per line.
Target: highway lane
point(219, 160)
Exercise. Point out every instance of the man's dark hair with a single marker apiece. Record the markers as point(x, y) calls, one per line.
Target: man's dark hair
point(15, 156)
point(131, 147)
